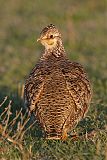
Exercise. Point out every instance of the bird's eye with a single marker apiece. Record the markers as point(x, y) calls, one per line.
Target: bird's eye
point(51, 36)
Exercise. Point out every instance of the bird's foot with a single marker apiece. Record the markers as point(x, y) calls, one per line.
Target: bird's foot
point(82, 136)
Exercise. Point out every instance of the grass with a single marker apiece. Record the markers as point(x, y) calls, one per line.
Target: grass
point(84, 29)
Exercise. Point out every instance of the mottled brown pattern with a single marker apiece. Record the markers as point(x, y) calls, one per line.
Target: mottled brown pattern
point(57, 91)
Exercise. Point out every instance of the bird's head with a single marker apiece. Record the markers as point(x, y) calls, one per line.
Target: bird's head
point(50, 37)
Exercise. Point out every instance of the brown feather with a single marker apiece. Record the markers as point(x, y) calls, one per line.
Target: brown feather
point(57, 91)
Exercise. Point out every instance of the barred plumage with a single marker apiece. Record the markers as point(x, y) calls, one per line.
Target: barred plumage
point(57, 90)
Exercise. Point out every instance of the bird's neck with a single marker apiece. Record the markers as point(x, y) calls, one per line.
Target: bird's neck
point(57, 51)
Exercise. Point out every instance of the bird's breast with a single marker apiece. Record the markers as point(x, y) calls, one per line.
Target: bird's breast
point(55, 91)
point(55, 103)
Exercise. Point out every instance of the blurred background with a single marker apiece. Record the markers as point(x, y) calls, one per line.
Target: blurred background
point(82, 24)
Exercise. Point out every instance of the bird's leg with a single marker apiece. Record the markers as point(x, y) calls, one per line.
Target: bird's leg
point(64, 135)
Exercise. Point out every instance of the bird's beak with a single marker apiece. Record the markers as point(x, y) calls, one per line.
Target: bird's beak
point(41, 38)
point(38, 39)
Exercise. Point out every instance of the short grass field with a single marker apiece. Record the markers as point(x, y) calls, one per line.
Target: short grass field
point(83, 26)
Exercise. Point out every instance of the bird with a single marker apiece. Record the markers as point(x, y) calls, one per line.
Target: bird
point(57, 91)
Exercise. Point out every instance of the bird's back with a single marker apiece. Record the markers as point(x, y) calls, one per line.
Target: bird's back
point(59, 105)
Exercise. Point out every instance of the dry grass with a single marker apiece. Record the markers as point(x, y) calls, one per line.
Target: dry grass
point(13, 130)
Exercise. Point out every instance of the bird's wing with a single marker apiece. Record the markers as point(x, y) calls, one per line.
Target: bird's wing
point(78, 86)
point(33, 88)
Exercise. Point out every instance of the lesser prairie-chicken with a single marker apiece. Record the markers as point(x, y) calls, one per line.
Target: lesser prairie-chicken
point(57, 90)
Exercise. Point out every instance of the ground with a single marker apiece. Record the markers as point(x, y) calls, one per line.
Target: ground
point(84, 28)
